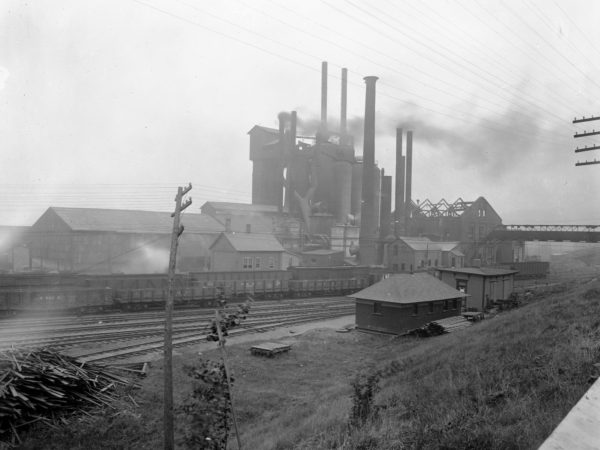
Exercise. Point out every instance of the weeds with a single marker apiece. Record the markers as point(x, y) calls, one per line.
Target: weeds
point(208, 409)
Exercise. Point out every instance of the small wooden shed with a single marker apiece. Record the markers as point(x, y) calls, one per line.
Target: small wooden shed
point(403, 302)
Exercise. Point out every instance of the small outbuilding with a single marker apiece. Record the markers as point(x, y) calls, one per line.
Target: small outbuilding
point(484, 285)
point(403, 302)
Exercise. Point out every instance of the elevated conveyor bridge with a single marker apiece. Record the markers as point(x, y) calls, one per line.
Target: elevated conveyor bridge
point(571, 233)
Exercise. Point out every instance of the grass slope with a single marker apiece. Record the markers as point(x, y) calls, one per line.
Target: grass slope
point(504, 383)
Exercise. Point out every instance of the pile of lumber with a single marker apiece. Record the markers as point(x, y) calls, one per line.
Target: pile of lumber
point(442, 326)
point(39, 384)
point(451, 324)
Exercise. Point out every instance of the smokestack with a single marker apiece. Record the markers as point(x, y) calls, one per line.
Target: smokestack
point(288, 162)
point(399, 192)
point(386, 212)
point(343, 129)
point(368, 224)
point(409, 156)
point(324, 96)
point(293, 132)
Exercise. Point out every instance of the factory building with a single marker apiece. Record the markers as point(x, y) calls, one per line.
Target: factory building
point(343, 201)
point(234, 252)
point(408, 254)
point(89, 240)
point(320, 180)
point(256, 218)
point(14, 248)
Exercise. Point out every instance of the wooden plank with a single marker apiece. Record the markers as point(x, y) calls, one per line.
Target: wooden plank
point(580, 429)
point(269, 348)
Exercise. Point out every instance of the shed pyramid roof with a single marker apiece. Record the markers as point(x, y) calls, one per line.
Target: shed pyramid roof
point(409, 288)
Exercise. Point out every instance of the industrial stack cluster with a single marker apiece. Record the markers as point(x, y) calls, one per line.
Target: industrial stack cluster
point(321, 181)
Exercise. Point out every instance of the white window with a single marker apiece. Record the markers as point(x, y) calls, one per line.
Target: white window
point(257, 262)
point(271, 262)
point(247, 262)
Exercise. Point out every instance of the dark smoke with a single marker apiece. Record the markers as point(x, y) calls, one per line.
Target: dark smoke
point(493, 146)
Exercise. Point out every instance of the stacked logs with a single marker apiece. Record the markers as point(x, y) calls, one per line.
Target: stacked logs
point(39, 384)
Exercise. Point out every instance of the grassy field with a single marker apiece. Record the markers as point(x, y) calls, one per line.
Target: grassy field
point(504, 383)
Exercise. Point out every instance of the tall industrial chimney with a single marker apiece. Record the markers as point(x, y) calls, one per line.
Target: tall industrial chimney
point(343, 129)
point(399, 192)
point(386, 213)
point(409, 156)
point(324, 96)
point(368, 222)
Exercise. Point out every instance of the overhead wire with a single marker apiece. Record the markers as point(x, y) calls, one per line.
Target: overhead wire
point(434, 50)
point(473, 41)
point(511, 31)
point(453, 116)
point(564, 13)
point(387, 67)
point(552, 47)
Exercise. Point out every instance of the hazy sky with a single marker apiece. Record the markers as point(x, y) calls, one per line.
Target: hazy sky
point(116, 103)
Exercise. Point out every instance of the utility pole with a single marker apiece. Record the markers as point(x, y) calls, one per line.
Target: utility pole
point(586, 134)
point(168, 352)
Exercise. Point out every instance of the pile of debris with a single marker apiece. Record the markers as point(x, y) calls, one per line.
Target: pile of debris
point(39, 384)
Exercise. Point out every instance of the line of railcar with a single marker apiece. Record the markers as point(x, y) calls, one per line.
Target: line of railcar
point(93, 293)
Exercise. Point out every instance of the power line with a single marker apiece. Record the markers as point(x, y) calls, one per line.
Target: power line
point(473, 40)
point(434, 50)
point(453, 116)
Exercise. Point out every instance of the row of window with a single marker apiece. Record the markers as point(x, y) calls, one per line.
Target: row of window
point(255, 262)
point(448, 304)
point(422, 264)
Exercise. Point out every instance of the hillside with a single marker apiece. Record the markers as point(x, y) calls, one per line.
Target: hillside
point(504, 383)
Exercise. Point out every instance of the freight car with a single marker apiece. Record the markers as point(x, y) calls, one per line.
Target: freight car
point(528, 269)
point(132, 292)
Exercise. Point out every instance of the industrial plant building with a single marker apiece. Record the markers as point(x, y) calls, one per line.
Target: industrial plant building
point(235, 252)
point(321, 201)
point(343, 201)
point(92, 240)
point(406, 254)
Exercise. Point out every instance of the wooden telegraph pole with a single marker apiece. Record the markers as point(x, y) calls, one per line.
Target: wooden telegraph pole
point(168, 352)
point(586, 134)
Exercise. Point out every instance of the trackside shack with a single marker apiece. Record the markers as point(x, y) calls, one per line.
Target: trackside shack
point(403, 302)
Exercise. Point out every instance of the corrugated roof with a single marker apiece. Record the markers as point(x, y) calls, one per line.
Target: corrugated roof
point(130, 221)
point(409, 288)
point(484, 271)
point(241, 207)
point(253, 242)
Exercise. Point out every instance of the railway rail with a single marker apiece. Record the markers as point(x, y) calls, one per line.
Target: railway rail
point(141, 334)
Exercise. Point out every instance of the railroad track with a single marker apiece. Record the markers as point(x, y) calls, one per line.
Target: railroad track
point(66, 338)
point(112, 356)
point(44, 324)
point(189, 327)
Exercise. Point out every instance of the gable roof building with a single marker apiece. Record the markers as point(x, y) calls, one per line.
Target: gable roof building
point(246, 251)
point(94, 240)
point(122, 221)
